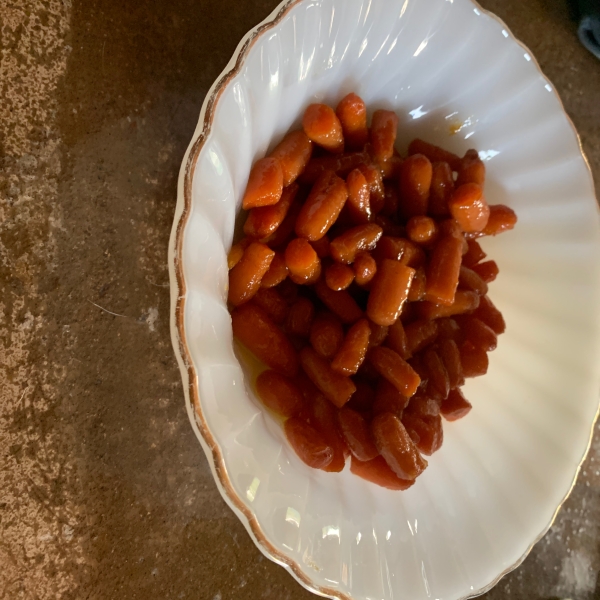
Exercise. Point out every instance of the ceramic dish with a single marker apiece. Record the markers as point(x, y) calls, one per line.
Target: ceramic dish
point(457, 77)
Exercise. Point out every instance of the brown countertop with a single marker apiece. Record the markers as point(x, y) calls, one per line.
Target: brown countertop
point(104, 491)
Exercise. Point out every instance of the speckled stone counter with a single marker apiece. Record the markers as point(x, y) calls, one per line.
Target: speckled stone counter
point(104, 491)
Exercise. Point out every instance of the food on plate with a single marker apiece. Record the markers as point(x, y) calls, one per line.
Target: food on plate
point(362, 285)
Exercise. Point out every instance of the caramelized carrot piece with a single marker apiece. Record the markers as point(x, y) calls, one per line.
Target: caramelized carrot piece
point(323, 417)
point(428, 430)
point(300, 317)
point(390, 226)
point(322, 207)
point(396, 447)
point(321, 247)
point(439, 381)
point(443, 270)
point(245, 277)
point(464, 302)
point(434, 153)
point(471, 169)
point(378, 472)
point(345, 247)
point(335, 387)
point(389, 292)
point(357, 434)
point(359, 192)
point(264, 220)
point(415, 182)
point(422, 405)
point(384, 125)
point(390, 168)
point(455, 406)
point(293, 154)
point(420, 334)
point(474, 255)
point(502, 218)
point(338, 276)
point(308, 443)
point(265, 184)
point(490, 315)
point(468, 206)
point(340, 303)
point(279, 393)
point(474, 360)
point(236, 252)
point(323, 127)
point(285, 232)
point(365, 268)
point(352, 113)
point(442, 187)
point(389, 399)
point(326, 334)
point(448, 329)
point(253, 328)
point(302, 262)
point(375, 180)
point(488, 270)
point(340, 164)
point(272, 302)
point(450, 355)
point(397, 339)
point(277, 272)
point(378, 334)
point(478, 333)
point(396, 248)
point(418, 286)
point(421, 230)
point(469, 279)
point(391, 201)
point(395, 369)
point(353, 350)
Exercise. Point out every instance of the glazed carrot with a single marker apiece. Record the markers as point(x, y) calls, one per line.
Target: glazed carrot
point(302, 262)
point(285, 232)
point(321, 247)
point(352, 113)
point(338, 276)
point(474, 255)
point(502, 218)
point(326, 334)
point(443, 270)
point(490, 315)
point(322, 207)
point(442, 186)
point(300, 317)
point(365, 268)
point(308, 443)
point(396, 447)
point(389, 292)
point(323, 417)
point(401, 249)
point(277, 272)
point(378, 472)
point(395, 369)
point(390, 226)
point(236, 252)
point(353, 349)
point(468, 206)
point(293, 154)
point(390, 168)
point(375, 180)
point(422, 405)
point(471, 280)
point(421, 229)
point(439, 381)
point(474, 360)
point(428, 432)
point(397, 339)
point(345, 247)
point(471, 169)
point(253, 328)
point(488, 270)
point(264, 220)
point(359, 191)
point(335, 387)
point(384, 125)
point(357, 434)
point(448, 329)
point(272, 302)
point(279, 393)
point(448, 351)
point(434, 153)
point(418, 286)
point(465, 301)
point(378, 334)
point(323, 127)
point(419, 334)
point(389, 399)
point(340, 303)
point(245, 277)
point(265, 184)
point(478, 333)
point(391, 202)
point(455, 406)
point(415, 182)
point(340, 164)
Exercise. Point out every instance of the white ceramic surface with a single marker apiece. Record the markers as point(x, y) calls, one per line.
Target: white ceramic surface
point(494, 487)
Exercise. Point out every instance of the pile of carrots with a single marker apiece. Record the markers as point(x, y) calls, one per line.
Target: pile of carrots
point(360, 284)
